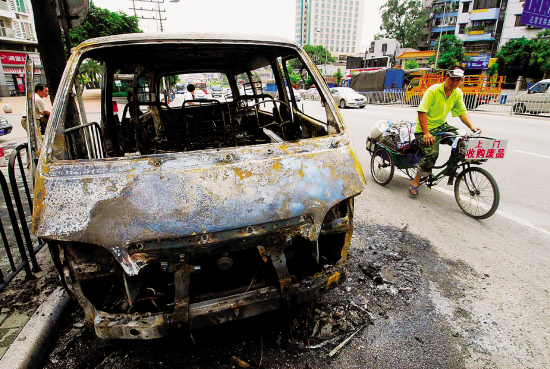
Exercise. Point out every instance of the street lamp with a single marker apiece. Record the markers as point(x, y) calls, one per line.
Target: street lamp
point(326, 51)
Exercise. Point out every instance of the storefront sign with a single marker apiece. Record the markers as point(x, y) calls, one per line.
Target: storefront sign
point(18, 58)
point(536, 13)
point(480, 61)
point(20, 71)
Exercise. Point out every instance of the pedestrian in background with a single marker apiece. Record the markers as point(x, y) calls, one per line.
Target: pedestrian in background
point(40, 113)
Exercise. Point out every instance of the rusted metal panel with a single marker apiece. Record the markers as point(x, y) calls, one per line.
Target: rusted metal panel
point(115, 203)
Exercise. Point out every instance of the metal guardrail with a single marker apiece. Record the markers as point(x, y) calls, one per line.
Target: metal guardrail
point(510, 103)
point(19, 251)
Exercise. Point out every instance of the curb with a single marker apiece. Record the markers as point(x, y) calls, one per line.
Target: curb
point(31, 344)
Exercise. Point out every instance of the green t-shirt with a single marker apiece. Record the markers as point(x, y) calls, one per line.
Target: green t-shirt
point(437, 106)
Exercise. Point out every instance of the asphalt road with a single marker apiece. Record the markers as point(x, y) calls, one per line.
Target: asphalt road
point(505, 310)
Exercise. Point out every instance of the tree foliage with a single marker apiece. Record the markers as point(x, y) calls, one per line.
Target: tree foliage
point(411, 64)
point(319, 54)
point(515, 58)
point(540, 57)
point(102, 22)
point(91, 69)
point(451, 52)
point(339, 75)
point(403, 20)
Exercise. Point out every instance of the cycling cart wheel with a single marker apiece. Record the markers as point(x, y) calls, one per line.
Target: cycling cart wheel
point(476, 193)
point(382, 166)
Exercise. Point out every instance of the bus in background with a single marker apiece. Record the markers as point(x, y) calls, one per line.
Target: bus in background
point(201, 86)
point(181, 88)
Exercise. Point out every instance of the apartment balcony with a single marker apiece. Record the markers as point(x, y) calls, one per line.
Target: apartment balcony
point(478, 47)
point(484, 14)
point(479, 35)
point(7, 32)
point(449, 29)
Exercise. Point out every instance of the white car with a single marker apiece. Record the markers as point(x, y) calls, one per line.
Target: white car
point(312, 94)
point(535, 100)
point(347, 97)
point(297, 95)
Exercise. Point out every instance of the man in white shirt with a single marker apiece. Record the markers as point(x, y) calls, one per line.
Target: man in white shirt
point(40, 112)
point(180, 99)
point(189, 95)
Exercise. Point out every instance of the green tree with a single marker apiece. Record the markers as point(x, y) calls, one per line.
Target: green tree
point(294, 77)
point(403, 20)
point(451, 52)
point(319, 54)
point(102, 22)
point(514, 59)
point(91, 68)
point(411, 64)
point(339, 75)
point(540, 57)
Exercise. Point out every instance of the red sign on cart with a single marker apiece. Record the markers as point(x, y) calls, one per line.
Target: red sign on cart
point(485, 149)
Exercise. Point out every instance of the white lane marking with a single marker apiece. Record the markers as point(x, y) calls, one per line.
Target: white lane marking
point(499, 212)
point(530, 153)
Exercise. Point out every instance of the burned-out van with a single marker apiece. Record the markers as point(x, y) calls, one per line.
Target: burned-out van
point(166, 216)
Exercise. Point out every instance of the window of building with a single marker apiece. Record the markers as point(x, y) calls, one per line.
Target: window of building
point(518, 21)
point(465, 7)
point(20, 6)
point(461, 28)
point(353, 49)
point(485, 4)
point(2, 28)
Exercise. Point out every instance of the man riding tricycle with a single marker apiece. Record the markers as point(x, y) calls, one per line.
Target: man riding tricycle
point(476, 191)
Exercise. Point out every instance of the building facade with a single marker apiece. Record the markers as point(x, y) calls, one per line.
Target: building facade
point(17, 40)
point(483, 25)
point(335, 24)
point(512, 26)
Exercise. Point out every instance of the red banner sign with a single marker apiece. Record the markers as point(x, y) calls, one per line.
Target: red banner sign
point(18, 58)
point(12, 58)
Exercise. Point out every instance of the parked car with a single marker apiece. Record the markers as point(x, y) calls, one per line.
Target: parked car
point(5, 127)
point(216, 91)
point(347, 97)
point(187, 216)
point(535, 100)
point(311, 94)
point(297, 95)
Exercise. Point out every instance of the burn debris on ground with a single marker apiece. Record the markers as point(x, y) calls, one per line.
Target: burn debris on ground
point(384, 278)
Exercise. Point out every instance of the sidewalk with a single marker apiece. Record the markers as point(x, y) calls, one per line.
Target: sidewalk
point(92, 103)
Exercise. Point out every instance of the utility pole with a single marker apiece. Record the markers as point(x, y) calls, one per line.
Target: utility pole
point(153, 10)
point(50, 45)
